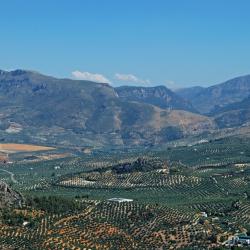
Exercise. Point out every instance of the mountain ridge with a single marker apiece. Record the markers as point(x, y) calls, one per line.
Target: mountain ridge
point(208, 99)
point(159, 96)
point(35, 108)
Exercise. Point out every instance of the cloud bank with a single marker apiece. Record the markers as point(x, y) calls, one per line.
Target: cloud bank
point(79, 75)
point(130, 78)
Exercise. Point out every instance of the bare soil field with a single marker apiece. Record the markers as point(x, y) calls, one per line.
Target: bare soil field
point(12, 147)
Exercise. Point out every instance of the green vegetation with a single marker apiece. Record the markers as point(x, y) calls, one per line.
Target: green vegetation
point(67, 199)
point(53, 204)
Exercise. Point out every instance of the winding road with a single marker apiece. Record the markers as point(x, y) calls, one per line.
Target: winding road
point(12, 176)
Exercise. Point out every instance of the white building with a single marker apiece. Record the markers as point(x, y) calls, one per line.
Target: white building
point(120, 200)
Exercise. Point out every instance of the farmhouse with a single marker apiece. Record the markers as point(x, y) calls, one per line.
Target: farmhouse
point(238, 240)
point(203, 214)
point(120, 200)
point(25, 223)
point(243, 240)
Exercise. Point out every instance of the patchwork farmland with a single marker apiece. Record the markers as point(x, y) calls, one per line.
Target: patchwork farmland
point(173, 198)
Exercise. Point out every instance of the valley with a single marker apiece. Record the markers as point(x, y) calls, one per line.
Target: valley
point(178, 198)
point(125, 125)
point(143, 168)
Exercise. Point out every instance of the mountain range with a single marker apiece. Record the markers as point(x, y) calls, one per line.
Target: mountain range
point(159, 96)
point(208, 100)
point(35, 108)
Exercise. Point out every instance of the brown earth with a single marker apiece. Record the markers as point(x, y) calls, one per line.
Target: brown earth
point(22, 147)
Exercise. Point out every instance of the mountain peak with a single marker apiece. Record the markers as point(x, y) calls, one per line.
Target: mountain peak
point(18, 72)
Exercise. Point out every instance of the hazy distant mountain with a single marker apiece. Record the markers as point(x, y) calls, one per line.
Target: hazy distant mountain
point(209, 99)
point(189, 93)
point(42, 109)
point(159, 96)
point(233, 115)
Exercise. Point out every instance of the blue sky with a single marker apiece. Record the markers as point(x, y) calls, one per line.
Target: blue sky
point(140, 42)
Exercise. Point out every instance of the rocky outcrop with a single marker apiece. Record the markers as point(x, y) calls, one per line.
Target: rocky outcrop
point(8, 196)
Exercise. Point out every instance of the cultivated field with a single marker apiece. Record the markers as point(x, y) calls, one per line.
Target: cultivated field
point(182, 197)
point(12, 147)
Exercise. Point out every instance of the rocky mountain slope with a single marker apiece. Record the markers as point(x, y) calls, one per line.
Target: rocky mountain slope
point(159, 96)
point(189, 93)
point(234, 114)
point(40, 109)
point(207, 100)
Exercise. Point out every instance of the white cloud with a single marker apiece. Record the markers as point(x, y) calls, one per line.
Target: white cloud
point(172, 84)
point(130, 78)
point(90, 76)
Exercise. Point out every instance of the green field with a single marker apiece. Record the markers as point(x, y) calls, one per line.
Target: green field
point(212, 177)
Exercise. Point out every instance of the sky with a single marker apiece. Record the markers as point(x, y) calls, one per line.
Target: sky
point(177, 43)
